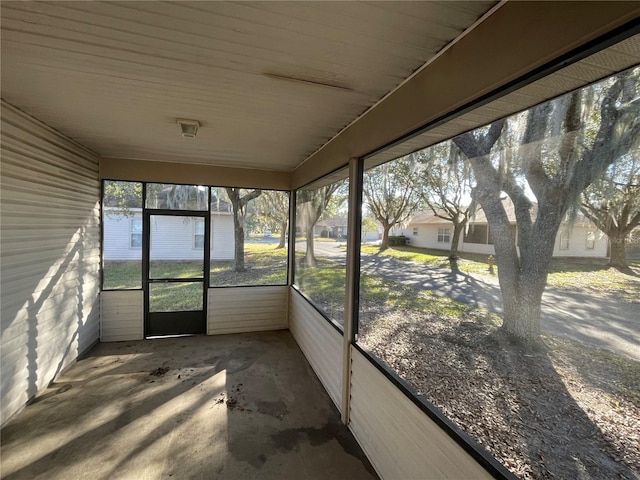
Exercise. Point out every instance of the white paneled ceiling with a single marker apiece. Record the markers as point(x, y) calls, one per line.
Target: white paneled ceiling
point(270, 82)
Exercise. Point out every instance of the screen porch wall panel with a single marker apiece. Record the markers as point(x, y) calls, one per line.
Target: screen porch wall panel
point(121, 315)
point(320, 342)
point(246, 309)
point(400, 440)
point(50, 255)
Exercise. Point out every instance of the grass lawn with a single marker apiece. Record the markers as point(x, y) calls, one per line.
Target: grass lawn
point(325, 285)
point(264, 265)
point(578, 274)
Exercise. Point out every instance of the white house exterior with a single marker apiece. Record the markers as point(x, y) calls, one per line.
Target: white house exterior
point(578, 239)
point(172, 238)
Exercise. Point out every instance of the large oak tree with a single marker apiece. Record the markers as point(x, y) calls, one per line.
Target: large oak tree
point(556, 161)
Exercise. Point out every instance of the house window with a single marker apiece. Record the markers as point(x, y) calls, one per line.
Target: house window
point(135, 233)
point(444, 235)
point(198, 233)
point(564, 240)
point(415, 230)
point(591, 240)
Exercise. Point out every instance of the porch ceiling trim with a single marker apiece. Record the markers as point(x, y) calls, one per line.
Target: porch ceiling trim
point(497, 52)
point(193, 174)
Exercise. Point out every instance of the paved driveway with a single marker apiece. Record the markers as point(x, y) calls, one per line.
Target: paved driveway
point(602, 322)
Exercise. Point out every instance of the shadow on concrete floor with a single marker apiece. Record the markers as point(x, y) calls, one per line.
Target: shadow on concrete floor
point(224, 407)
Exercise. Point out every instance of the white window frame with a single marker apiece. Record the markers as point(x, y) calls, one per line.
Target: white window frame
point(563, 240)
point(415, 230)
point(196, 222)
point(590, 240)
point(444, 235)
point(132, 233)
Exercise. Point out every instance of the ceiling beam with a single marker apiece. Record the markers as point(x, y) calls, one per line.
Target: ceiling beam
point(191, 174)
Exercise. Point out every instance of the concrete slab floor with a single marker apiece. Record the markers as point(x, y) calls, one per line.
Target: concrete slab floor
point(226, 407)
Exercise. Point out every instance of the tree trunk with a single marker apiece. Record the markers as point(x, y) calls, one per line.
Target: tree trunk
point(283, 235)
point(310, 257)
point(385, 237)
point(523, 279)
point(618, 256)
point(522, 299)
point(238, 231)
point(455, 241)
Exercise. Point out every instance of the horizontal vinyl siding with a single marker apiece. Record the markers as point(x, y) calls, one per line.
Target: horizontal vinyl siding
point(222, 237)
point(246, 309)
point(172, 238)
point(117, 236)
point(399, 439)
point(320, 343)
point(50, 255)
point(121, 316)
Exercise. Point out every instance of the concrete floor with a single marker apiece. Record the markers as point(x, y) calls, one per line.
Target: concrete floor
point(224, 407)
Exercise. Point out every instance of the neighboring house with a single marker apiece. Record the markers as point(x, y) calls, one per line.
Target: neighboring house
point(335, 227)
point(579, 238)
point(172, 238)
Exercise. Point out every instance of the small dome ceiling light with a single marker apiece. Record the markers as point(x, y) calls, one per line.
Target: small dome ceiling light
point(189, 127)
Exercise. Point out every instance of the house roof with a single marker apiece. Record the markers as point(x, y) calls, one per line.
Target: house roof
point(332, 222)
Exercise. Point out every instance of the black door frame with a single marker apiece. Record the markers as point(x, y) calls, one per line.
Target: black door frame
point(193, 322)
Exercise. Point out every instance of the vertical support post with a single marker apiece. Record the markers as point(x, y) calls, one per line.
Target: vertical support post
point(291, 247)
point(352, 293)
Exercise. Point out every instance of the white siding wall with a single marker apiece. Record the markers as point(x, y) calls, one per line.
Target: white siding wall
point(172, 238)
point(246, 309)
point(578, 243)
point(117, 234)
point(398, 438)
point(50, 256)
point(428, 238)
point(222, 241)
point(121, 316)
point(320, 343)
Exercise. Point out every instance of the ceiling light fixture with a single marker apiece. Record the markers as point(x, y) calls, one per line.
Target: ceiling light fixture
point(189, 127)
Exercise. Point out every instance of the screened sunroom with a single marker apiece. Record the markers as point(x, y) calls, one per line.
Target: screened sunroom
point(189, 172)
